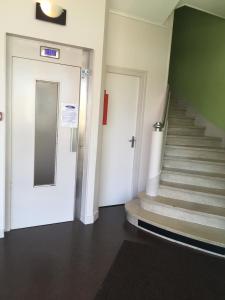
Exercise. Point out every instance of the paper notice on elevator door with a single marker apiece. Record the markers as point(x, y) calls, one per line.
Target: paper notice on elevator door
point(69, 115)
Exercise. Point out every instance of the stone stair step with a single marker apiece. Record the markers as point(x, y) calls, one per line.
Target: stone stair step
point(195, 152)
point(205, 234)
point(203, 179)
point(180, 118)
point(202, 208)
point(177, 110)
point(180, 122)
point(184, 210)
point(186, 130)
point(195, 164)
point(192, 193)
point(176, 107)
point(193, 141)
point(178, 114)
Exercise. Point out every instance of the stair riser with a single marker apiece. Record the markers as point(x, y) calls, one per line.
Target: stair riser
point(177, 115)
point(192, 196)
point(182, 141)
point(174, 111)
point(193, 180)
point(181, 122)
point(195, 153)
point(184, 215)
point(186, 131)
point(195, 166)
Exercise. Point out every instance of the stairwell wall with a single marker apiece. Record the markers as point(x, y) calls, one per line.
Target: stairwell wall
point(85, 28)
point(146, 47)
point(197, 69)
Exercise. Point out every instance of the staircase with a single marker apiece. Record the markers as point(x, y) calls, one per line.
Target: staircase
point(190, 207)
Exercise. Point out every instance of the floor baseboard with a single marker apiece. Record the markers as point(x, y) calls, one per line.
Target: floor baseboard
point(2, 233)
point(89, 219)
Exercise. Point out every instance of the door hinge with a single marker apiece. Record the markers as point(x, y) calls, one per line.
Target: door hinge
point(85, 73)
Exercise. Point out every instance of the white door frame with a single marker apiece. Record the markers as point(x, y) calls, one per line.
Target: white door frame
point(82, 142)
point(142, 75)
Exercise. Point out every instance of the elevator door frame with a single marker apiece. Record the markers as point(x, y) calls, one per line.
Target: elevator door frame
point(76, 57)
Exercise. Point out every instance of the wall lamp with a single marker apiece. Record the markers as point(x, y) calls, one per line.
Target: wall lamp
point(48, 11)
point(51, 10)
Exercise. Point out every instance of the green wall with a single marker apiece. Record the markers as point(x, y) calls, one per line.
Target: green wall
point(197, 69)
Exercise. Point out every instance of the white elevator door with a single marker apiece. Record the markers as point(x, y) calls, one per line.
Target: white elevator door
point(117, 154)
point(43, 159)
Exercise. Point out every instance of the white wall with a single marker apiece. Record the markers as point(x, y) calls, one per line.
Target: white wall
point(143, 46)
point(85, 28)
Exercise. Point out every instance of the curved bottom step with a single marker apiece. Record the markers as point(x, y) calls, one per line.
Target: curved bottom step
point(211, 216)
point(198, 236)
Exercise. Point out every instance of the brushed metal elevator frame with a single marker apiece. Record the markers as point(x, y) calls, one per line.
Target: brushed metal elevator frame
point(82, 138)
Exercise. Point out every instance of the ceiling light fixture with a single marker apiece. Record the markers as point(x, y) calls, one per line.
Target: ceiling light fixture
point(50, 9)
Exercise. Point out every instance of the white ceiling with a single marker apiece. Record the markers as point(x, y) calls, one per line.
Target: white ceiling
point(157, 11)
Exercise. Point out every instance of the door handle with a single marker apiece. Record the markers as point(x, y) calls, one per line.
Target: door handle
point(132, 141)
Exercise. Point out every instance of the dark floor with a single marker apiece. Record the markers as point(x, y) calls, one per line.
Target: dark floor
point(64, 261)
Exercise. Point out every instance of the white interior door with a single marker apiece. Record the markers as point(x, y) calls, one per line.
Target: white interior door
point(43, 155)
point(116, 181)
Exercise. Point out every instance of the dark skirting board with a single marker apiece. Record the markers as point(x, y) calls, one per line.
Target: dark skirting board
point(181, 238)
point(143, 272)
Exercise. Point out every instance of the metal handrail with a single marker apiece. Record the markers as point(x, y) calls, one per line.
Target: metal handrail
point(159, 126)
point(157, 150)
